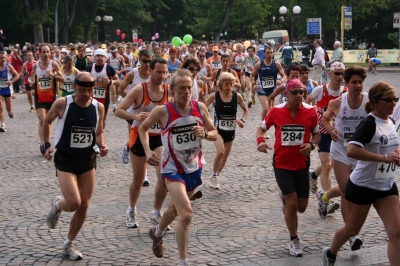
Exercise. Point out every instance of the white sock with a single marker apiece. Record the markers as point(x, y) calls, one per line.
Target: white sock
point(130, 208)
point(115, 105)
point(67, 242)
point(155, 212)
point(184, 262)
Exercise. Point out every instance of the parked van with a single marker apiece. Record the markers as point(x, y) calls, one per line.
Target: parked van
point(278, 36)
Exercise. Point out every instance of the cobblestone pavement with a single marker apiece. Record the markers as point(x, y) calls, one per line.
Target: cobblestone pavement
point(242, 224)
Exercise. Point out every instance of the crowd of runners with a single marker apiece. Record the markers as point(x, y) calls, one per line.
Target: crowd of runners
point(174, 98)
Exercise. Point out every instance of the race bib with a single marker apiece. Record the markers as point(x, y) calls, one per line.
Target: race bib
point(227, 123)
point(81, 137)
point(45, 83)
point(292, 135)
point(346, 138)
point(386, 170)
point(3, 83)
point(99, 92)
point(29, 79)
point(156, 128)
point(68, 87)
point(268, 82)
point(216, 64)
point(183, 138)
point(239, 65)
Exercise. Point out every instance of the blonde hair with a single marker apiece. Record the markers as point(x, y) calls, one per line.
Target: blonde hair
point(225, 76)
point(375, 93)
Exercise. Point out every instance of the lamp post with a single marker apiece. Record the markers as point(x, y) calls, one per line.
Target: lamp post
point(105, 19)
point(56, 24)
point(296, 10)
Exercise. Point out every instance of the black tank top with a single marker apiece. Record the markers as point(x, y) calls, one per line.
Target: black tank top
point(81, 64)
point(225, 113)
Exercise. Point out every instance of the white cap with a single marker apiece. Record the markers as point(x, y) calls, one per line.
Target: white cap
point(63, 50)
point(100, 52)
point(88, 50)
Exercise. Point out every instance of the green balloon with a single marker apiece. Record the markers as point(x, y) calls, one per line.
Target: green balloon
point(187, 39)
point(176, 41)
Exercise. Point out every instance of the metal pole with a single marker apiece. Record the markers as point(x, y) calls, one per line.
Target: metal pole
point(399, 38)
point(291, 36)
point(342, 26)
point(56, 24)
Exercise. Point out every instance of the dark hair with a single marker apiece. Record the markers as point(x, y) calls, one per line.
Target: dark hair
point(293, 68)
point(156, 60)
point(251, 47)
point(304, 67)
point(268, 48)
point(375, 93)
point(354, 70)
point(81, 46)
point(67, 58)
point(224, 56)
point(44, 44)
point(144, 52)
point(190, 59)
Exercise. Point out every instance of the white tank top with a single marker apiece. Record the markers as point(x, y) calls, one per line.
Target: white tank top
point(239, 59)
point(137, 79)
point(100, 86)
point(44, 80)
point(222, 52)
point(203, 71)
point(195, 90)
point(69, 79)
point(114, 62)
point(348, 119)
point(131, 62)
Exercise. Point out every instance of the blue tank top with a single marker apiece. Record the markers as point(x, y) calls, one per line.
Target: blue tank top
point(5, 89)
point(261, 52)
point(310, 86)
point(172, 68)
point(267, 75)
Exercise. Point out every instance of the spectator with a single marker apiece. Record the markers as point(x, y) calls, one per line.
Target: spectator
point(372, 52)
point(318, 62)
point(2, 38)
point(17, 62)
point(337, 55)
point(305, 55)
point(287, 54)
point(373, 63)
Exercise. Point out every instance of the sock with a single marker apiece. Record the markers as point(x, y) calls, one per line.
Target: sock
point(330, 255)
point(155, 212)
point(115, 105)
point(130, 208)
point(184, 262)
point(294, 237)
point(214, 174)
point(325, 197)
point(67, 242)
point(58, 206)
point(158, 232)
point(313, 175)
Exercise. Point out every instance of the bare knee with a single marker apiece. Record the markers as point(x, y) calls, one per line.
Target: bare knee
point(326, 165)
point(394, 233)
point(292, 206)
point(220, 154)
point(73, 205)
point(185, 217)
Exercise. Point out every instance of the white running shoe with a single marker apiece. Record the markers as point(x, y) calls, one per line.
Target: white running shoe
point(325, 259)
point(131, 219)
point(295, 248)
point(156, 218)
point(322, 206)
point(72, 251)
point(3, 128)
point(54, 213)
point(213, 182)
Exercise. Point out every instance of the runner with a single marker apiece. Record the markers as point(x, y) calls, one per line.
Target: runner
point(305, 78)
point(118, 63)
point(372, 183)
point(193, 65)
point(292, 72)
point(144, 98)
point(205, 72)
point(323, 95)
point(225, 102)
point(8, 76)
point(185, 123)
point(69, 72)
point(224, 68)
point(173, 63)
point(236, 62)
point(44, 75)
point(215, 60)
point(347, 110)
point(248, 67)
point(137, 76)
point(26, 71)
point(267, 71)
point(131, 58)
point(79, 128)
point(296, 134)
point(81, 60)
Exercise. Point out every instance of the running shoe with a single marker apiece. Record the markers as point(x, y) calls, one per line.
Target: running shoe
point(213, 182)
point(355, 243)
point(146, 182)
point(158, 247)
point(131, 219)
point(72, 251)
point(254, 101)
point(196, 195)
point(10, 114)
point(244, 97)
point(332, 207)
point(32, 109)
point(184, 263)
point(249, 104)
point(327, 261)
point(267, 136)
point(42, 148)
point(313, 185)
point(283, 202)
point(3, 128)
point(295, 248)
point(54, 213)
point(125, 154)
point(96, 149)
point(322, 206)
point(156, 218)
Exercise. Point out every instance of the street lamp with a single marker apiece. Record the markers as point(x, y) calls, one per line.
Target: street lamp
point(296, 11)
point(105, 19)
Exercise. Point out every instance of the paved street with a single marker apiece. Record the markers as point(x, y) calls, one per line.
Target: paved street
point(241, 224)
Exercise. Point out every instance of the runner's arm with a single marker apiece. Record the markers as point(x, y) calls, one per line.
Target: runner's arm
point(134, 94)
point(57, 73)
point(210, 99)
point(278, 91)
point(281, 73)
point(254, 73)
point(125, 83)
point(329, 115)
point(56, 110)
point(100, 138)
point(14, 73)
point(208, 124)
point(245, 111)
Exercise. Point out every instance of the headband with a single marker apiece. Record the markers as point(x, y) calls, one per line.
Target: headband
point(88, 84)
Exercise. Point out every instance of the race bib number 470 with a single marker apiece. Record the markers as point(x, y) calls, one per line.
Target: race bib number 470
point(292, 135)
point(81, 137)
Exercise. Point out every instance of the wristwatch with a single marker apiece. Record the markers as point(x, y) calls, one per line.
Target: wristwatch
point(205, 134)
point(312, 145)
point(244, 121)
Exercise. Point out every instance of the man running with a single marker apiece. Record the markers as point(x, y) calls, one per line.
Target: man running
point(44, 75)
point(79, 127)
point(215, 60)
point(118, 63)
point(26, 71)
point(237, 60)
point(69, 73)
point(145, 97)
point(185, 123)
point(8, 76)
point(247, 67)
point(81, 60)
point(296, 134)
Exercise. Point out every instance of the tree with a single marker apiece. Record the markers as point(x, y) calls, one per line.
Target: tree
point(67, 20)
point(36, 16)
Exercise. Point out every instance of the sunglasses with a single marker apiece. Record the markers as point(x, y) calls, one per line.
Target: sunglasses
point(295, 92)
point(201, 56)
point(146, 61)
point(390, 100)
point(191, 69)
point(338, 73)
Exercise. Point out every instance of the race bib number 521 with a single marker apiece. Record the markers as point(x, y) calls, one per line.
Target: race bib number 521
point(81, 137)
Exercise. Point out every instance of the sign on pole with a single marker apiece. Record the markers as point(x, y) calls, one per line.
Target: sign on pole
point(396, 20)
point(348, 17)
point(134, 34)
point(314, 26)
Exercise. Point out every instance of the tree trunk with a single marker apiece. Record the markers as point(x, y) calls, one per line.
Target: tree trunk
point(88, 23)
point(228, 10)
point(67, 21)
point(153, 27)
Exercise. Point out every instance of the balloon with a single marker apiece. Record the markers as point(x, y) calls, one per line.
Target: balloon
point(118, 32)
point(187, 39)
point(157, 36)
point(153, 38)
point(203, 36)
point(176, 41)
point(234, 47)
point(246, 44)
point(140, 41)
point(123, 36)
point(135, 39)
